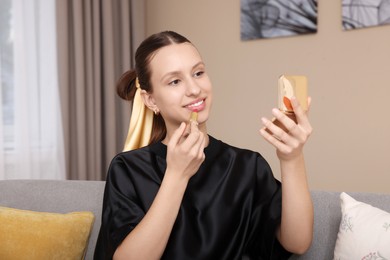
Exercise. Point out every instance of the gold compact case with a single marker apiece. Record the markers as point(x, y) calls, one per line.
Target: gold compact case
point(291, 86)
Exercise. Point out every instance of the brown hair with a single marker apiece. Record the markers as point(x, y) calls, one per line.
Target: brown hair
point(126, 85)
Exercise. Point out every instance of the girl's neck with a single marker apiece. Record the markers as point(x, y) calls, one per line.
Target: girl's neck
point(202, 128)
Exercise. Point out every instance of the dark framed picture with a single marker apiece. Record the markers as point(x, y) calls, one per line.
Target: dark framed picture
point(277, 18)
point(365, 13)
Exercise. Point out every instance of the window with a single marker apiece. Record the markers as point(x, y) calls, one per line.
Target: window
point(6, 74)
point(31, 142)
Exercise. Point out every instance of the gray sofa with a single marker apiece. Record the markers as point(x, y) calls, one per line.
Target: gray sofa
point(66, 196)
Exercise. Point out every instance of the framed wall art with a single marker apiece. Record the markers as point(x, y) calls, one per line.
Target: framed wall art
point(277, 18)
point(365, 13)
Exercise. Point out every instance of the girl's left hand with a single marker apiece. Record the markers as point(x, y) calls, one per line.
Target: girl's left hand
point(289, 144)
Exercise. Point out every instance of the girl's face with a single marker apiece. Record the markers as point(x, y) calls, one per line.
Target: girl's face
point(180, 85)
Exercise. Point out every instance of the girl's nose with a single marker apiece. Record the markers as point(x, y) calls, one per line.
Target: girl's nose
point(193, 88)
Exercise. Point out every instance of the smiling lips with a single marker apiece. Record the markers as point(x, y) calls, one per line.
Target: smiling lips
point(197, 106)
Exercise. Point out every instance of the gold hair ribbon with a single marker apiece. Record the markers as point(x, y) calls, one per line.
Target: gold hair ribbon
point(141, 123)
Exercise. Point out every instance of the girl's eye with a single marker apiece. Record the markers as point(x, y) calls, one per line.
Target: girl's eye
point(174, 82)
point(199, 73)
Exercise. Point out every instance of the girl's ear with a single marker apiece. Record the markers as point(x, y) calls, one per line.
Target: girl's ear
point(149, 101)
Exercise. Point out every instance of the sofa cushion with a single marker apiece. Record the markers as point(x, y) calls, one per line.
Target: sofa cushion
point(43, 235)
point(56, 196)
point(364, 231)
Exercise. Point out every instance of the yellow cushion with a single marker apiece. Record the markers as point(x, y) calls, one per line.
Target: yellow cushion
point(33, 235)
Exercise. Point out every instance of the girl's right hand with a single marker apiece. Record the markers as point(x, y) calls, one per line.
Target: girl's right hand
point(185, 152)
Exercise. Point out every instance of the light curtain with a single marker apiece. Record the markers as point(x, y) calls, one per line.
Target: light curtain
point(2, 151)
point(95, 46)
point(36, 148)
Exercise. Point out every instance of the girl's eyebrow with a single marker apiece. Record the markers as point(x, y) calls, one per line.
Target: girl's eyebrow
point(197, 64)
point(170, 74)
point(176, 73)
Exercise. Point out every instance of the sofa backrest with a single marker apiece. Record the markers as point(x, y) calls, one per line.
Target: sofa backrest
point(56, 196)
point(68, 196)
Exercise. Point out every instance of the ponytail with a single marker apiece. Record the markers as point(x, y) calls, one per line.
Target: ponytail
point(126, 89)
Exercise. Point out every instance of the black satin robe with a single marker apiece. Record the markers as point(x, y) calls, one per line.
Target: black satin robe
point(230, 210)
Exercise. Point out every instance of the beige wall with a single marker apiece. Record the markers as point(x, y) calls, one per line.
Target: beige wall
point(348, 80)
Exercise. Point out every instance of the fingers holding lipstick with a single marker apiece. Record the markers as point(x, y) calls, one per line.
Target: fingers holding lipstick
point(193, 118)
point(186, 150)
point(192, 134)
point(196, 141)
point(201, 138)
point(177, 135)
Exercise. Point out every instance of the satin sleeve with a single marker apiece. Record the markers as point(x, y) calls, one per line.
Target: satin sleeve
point(121, 212)
point(266, 217)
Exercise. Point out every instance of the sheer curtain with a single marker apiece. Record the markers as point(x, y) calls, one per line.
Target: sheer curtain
point(34, 147)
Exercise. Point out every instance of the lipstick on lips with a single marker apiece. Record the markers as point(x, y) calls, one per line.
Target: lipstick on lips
point(195, 107)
